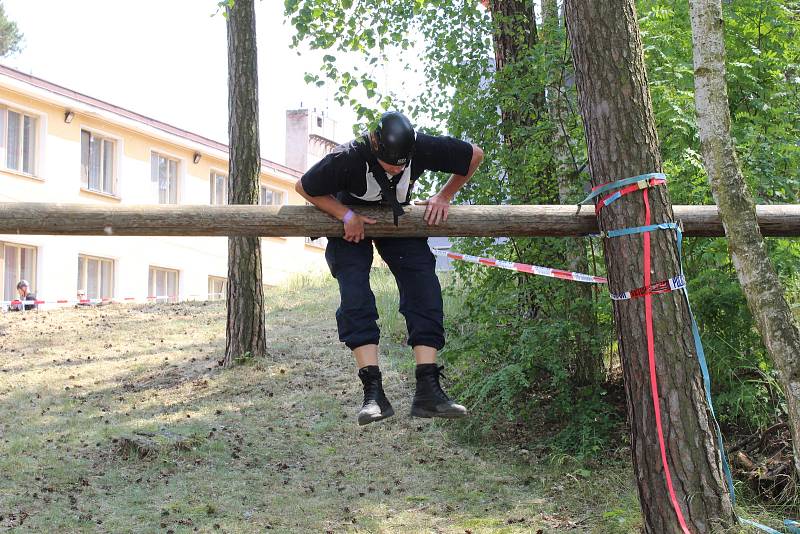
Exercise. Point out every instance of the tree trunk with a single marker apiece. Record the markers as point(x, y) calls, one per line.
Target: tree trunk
point(245, 333)
point(589, 360)
point(515, 35)
point(552, 38)
point(513, 31)
point(760, 283)
point(622, 142)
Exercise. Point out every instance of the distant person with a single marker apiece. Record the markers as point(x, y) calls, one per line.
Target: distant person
point(25, 297)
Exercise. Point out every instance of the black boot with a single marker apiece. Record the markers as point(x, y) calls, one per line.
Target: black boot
point(430, 400)
point(376, 406)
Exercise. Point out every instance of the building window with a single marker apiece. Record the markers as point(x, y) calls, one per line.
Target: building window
point(163, 284)
point(217, 288)
point(164, 172)
point(19, 134)
point(17, 262)
point(95, 277)
point(271, 197)
point(97, 163)
point(219, 189)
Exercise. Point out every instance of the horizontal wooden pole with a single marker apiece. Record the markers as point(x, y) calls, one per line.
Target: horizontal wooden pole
point(289, 221)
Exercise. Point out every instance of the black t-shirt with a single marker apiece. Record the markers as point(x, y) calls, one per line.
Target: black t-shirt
point(345, 172)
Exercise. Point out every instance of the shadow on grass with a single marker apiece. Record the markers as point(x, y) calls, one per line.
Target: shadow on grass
point(274, 442)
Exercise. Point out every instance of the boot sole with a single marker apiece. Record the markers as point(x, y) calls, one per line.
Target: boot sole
point(427, 414)
point(367, 420)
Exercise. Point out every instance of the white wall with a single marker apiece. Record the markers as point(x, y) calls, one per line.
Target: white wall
point(58, 180)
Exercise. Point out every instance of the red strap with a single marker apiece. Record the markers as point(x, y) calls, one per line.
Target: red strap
point(652, 182)
point(651, 357)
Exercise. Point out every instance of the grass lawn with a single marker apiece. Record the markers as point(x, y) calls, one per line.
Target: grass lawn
point(119, 419)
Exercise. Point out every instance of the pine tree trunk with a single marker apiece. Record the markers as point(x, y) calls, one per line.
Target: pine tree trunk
point(515, 34)
point(760, 283)
point(245, 332)
point(514, 37)
point(622, 142)
point(589, 362)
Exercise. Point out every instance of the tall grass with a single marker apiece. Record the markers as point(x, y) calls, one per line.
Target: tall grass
point(312, 285)
point(387, 300)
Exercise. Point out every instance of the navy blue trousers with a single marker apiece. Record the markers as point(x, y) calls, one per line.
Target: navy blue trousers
point(412, 265)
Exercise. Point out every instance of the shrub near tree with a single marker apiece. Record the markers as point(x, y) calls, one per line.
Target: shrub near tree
point(517, 341)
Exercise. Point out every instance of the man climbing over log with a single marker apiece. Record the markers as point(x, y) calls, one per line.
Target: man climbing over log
point(381, 167)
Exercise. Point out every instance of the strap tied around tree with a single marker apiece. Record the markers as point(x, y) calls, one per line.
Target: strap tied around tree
point(680, 280)
point(638, 186)
point(664, 286)
point(619, 184)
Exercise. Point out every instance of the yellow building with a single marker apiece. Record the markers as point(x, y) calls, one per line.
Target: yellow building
point(57, 145)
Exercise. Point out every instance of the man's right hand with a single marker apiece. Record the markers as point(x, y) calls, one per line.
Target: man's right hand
point(354, 228)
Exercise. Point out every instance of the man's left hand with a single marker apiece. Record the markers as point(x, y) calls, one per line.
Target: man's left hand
point(436, 209)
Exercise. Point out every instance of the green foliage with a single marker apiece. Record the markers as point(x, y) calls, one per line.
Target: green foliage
point(372, 28)
point(516, 341)
point(743, 387)
point(10, 36)
point(763, 57)
point(762, 63)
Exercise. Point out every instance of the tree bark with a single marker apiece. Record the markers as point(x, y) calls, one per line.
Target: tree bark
point(515, 35)
point(245, 334)
point(622, 142)
point(760, 283)
point(589, 360)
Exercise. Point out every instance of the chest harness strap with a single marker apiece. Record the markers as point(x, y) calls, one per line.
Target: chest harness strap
point(388, 188)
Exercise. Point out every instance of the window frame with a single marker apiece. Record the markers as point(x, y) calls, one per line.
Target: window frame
point(31, 279)
point(284, 194)
point(155, 180)
point(23, 112)
point(115, 150)
point(217, 295)
point(87, 258)
point(213, 174)
point(152, 284)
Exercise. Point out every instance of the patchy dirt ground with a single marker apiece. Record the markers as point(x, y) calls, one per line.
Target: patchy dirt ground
point(120, 419)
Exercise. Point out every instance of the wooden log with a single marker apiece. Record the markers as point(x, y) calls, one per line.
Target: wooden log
point(289, 221)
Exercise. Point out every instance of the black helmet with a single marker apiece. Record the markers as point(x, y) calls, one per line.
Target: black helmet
point(395, 138)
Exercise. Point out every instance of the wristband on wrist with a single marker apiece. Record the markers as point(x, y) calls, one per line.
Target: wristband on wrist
point(347, 216)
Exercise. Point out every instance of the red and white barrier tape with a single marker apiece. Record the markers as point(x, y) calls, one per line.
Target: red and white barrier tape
point(523, 267)
point(172, 298)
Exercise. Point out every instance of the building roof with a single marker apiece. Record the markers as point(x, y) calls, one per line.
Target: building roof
point(173, 131)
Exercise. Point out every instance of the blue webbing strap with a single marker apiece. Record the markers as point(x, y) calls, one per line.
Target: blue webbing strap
point(759, 526)
point(701, 357)
point(642, 229)
point(622, 183)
